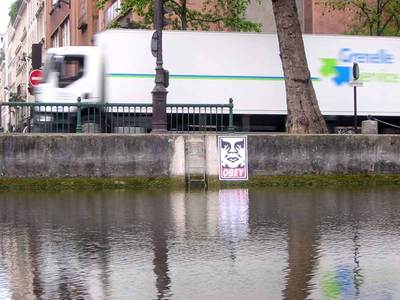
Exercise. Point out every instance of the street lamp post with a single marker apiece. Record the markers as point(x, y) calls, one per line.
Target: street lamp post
point(159, 118)
point(356, 75)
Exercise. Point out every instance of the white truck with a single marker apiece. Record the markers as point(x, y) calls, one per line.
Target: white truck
point(211, 67)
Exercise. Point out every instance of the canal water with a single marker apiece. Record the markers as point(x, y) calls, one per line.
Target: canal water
point(227, 244)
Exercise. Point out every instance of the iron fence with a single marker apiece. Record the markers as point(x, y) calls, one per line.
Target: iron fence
point(113, 117)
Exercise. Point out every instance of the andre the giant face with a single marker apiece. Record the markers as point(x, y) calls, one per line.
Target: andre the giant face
point(233, 152)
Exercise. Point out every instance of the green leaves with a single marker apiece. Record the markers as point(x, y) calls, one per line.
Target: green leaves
point(14, 10)
point(373, 17)
point(216, 15)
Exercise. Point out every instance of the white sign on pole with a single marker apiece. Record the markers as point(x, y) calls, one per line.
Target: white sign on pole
point(356, 84)
point(233, 162)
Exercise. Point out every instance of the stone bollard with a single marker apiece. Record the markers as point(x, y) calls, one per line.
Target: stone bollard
point(369, 127)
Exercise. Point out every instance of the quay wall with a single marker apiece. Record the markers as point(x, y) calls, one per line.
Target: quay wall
point(165, 155)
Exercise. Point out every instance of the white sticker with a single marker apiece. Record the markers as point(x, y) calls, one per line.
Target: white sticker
point(233, 158)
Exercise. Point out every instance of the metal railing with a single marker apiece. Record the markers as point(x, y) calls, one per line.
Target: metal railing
point(113, 117)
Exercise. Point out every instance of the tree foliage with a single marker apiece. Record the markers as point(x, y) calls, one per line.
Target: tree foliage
point(216, 14)
point(373, 17)
point(12, 13)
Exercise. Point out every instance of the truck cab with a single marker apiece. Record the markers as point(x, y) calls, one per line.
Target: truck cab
point(69, 73)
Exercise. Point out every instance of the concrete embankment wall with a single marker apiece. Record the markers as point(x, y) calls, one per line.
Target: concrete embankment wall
point(164, 155)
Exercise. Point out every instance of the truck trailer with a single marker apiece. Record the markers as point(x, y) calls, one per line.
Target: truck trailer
point(212, 67)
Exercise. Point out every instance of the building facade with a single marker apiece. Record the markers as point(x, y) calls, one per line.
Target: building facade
point(312, 14)
point(25, 29)
point(70, 23)
point(3, 77)
point(321, 21)
point(3, 84)
point(36, 26)
point(314, 18)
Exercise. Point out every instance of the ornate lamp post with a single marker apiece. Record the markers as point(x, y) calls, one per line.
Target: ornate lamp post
point(159, 119)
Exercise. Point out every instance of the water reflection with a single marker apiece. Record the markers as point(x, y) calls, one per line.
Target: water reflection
point(161, 221)
point(302, 236)
point(233, 217)
point(228, 244)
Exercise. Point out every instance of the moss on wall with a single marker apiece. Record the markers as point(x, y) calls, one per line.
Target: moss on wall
point(312, 181)
point(161, 183)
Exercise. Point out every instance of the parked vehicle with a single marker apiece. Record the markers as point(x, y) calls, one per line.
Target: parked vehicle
point(211, 67)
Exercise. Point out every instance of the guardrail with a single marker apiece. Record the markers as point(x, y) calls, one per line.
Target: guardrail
point(113, 117)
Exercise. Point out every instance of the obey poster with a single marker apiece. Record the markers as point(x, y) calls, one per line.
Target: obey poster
point(233, 157)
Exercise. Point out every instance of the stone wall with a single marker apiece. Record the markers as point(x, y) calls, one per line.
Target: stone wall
point(323, 154)
point(153, 155)
point(85, 155)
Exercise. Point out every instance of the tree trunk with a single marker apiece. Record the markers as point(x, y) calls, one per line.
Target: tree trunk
point(303, 239)
point(303, 115)
point(184, 15)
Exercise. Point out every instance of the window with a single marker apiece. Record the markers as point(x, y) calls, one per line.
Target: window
point(54, 40)
point(112, 12)
point(96, 24)
point(65, 32)
point(71, 69)
point(40, 26)
point(21, 91)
